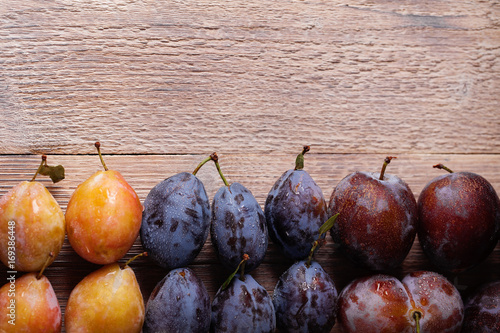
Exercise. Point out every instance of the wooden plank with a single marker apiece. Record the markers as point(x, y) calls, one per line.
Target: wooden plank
point(177, 77)
point(258, 172)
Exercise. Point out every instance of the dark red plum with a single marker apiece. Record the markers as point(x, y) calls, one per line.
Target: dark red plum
point(179, 303)
point(295, 208)
point(305, 299)
point(244, 306)
point(376, 303)
point(377, 219)
point(175, 220)
point(382, 303)
point(437, 300)
point(459, 216)
point(482, 310)
point(238, 227)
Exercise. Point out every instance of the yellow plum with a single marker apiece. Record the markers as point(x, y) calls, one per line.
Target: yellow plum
point(32, 224)
point(29, 304)
point(107, 300)
point(103, 217)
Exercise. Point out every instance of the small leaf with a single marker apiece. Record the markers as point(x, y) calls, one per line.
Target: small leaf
point(328, 224)
point(56, 173)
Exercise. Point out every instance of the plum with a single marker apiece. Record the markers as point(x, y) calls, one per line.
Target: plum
point(377, 218)
point(305, 299)
point(244, 306)
point(295, 209)
point(382, 303)
point(178, 303)
point(482, 310)
point(238, 226)
point(32, 224)
point(103, 216)
point(29, 304)
point(459, 220)
point(175, 220)
point(437, 300)
point(107, 300)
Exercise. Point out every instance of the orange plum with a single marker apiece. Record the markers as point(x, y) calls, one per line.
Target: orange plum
point(31, 225)
point(107, 300)
point(103, 217)
point(29, 305)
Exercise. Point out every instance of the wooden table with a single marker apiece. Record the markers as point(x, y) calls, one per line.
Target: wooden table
point(162, 84)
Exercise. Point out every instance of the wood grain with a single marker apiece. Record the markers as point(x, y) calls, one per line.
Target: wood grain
point(257, 172)
point(175, 77)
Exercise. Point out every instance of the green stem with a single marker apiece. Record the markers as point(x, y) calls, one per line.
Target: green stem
point(386, 162)
point(321, 241)
point(299, 161)
point(42, 164)
point(441, 166)
point(98, 146)
point(417, 315)
point(241, 268)
point(215, 158)
point(145, 254)
point(209, 158)
point(316, 244)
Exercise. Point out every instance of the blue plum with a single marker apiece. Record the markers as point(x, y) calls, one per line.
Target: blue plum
point(238, 227)
point(175, 220)
point(244, 306)
point(178, 303)
point(305, 299)
point(295, 209)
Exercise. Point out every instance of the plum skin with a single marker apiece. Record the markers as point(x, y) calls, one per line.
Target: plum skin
point(382, 303)
point(39, 226)
point(178, 303)
point(362, 302)
point(175, 220)
point(36, 308)
point(238, 227)
point(103, 218)
point(377, 220)
point(433, 294)
point(107, 300)
point(245, 306)
point(295, 209)
point(482, 310)
point(305, 299)
point(459, 220)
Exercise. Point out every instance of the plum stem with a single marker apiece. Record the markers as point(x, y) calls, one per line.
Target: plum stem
point(145, 254)
point(441, 166)
point(42, 164)
point(299, 161)
point(215, 158)
point(387, 160)
point(417, 315)
point(45, 265)
point(321, 241)
point(98, 147)
point(240, 268)
point(202, 163)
